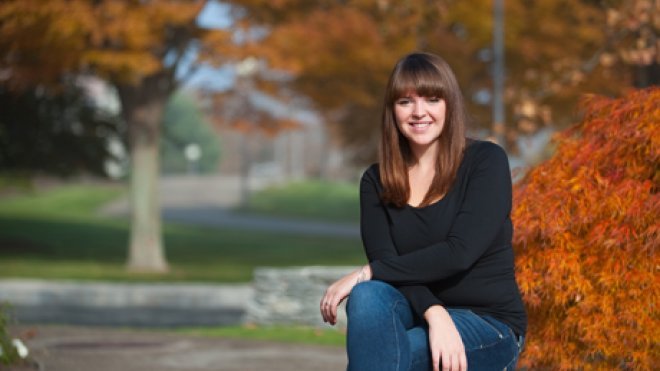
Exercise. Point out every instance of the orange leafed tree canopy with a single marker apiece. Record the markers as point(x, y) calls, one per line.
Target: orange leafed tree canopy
point(120, 40)
point(587, 224)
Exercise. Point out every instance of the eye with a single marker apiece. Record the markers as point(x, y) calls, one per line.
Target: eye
point(433, 99)
point(403, 101)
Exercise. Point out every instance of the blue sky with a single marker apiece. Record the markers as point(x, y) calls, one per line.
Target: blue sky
point(214, 15)
point(218, 15)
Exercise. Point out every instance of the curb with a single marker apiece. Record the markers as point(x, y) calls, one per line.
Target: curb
point(128, 304)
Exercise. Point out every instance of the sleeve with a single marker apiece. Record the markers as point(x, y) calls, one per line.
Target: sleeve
point(378, 244)
point(485, 207)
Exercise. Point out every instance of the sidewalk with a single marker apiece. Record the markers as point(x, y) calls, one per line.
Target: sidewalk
point(69, 348)
point(208, 201)
point(219, 217)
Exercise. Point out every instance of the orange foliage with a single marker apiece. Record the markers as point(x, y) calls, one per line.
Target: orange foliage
point(587, 224)
point(123, 41)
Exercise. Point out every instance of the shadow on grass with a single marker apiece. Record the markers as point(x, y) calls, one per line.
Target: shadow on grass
point(43, 246)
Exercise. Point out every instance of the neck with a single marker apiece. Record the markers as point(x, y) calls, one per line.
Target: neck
point(425, 157)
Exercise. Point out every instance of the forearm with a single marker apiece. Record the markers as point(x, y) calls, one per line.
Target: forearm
point(436, 314)
point(364, 273)
point(420, 298)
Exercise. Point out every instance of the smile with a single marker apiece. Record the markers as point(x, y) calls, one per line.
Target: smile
point(420, 125)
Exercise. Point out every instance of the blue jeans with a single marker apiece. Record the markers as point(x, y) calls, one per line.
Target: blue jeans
point(384, 334)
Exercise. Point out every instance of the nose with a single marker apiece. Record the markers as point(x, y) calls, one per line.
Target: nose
point(419, 110)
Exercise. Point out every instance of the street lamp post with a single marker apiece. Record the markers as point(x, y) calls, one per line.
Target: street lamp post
point(498, 72)
point(193, 152)
point(245, 70)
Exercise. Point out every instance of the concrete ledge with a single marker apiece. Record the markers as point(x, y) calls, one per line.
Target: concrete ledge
point(37, 301)
point(292, 295)
point(277, 296)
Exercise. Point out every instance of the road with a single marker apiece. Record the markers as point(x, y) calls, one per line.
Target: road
point(209, 200)
point(68, 348)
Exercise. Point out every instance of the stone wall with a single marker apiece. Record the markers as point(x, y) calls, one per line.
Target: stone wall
point(124, 304)
point(291, 296)
point(277, 296)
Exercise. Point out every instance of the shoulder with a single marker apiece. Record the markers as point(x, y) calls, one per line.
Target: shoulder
point(372, 173)
point(371, 178)
point(483, 148)
point(478, 151)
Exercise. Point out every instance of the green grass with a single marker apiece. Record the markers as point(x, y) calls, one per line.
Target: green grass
point(66, 201)
point(287, 334)
point(324, 201)
point(57, 234)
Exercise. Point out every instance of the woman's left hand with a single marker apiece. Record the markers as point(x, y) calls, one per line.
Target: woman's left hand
point(339, 290)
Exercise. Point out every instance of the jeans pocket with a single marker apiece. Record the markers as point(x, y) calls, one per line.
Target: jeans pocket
point(489, 343)
point(487, 322)
point(476, 331)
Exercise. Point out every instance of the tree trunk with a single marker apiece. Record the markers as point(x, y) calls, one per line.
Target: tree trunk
point(146, 247)
point(143, 107)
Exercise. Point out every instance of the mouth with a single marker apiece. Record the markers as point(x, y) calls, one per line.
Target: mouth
point(420, 125)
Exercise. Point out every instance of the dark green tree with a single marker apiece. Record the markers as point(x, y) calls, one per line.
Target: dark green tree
point(185, 125)
point(60, 133)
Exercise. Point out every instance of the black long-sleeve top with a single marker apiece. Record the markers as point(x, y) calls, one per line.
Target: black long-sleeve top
point(455, 252)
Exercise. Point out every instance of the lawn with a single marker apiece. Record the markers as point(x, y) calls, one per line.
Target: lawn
point(316, 200)
point(58, 234)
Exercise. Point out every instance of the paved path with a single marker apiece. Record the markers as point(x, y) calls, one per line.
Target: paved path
point(66, 348)
point(208, 201)
point(219, 217)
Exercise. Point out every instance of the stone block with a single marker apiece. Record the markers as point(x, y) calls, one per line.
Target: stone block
point(291, 296)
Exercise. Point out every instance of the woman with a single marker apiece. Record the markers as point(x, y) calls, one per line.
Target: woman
point(439, 291)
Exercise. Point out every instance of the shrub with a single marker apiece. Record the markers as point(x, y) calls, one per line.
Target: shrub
point(8, 353)
point(586, 234)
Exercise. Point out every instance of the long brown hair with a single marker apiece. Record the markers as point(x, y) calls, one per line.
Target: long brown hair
point(429, 76)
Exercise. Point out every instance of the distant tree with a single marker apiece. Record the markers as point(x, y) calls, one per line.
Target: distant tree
point(556, 51)
point(586, 237)
point(139, 47)
point(59, 133)
point(340, 53)
point(184, 125)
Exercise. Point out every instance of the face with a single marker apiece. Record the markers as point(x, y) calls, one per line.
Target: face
point(420, 119)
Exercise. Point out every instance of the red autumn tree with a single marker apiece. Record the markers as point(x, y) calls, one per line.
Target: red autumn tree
point(587, 224)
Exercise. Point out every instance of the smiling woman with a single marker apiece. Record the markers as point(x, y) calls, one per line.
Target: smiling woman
point(420, 119)
point(439, 291)
point(423, 104)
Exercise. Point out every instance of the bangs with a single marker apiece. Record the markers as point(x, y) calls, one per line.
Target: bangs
point(417, 75)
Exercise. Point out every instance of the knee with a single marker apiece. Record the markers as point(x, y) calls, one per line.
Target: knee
point(367, 298)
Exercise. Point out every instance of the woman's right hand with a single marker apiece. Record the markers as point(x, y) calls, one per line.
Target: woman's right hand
point(339, 290)
point(445, 341)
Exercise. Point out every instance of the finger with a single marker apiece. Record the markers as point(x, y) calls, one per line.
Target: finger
point(324, 309)
point(321, 311)
point(321, 308)
point(445, 361)
point(333, 309)
point(326, 318)
point(435, 357)
point(463, 361)
point(455, 361)
point(327, 308)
